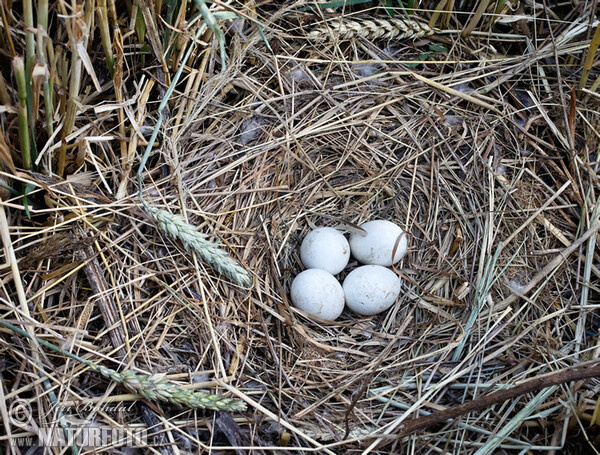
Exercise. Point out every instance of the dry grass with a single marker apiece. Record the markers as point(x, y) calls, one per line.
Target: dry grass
point(474, 140)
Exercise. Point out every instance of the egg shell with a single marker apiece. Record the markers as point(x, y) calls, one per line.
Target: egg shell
point(325, 248)
point(377, 246)
point(371, 289)
point(317, 292)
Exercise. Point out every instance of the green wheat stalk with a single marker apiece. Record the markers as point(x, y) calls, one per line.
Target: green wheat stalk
point(153, 387)
point(103, 25)
point(20, 76)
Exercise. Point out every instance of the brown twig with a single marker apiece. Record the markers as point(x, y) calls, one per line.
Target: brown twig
point(484, 402)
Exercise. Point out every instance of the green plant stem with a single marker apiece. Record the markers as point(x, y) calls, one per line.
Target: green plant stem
point(19, 69)
point(29, 63)
point(102, 12)
point(209, 19)
point(29, 36)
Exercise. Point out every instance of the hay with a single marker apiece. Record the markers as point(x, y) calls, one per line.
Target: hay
point(476, 145)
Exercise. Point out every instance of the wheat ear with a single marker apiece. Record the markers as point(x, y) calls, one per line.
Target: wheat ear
point(195, 242)
point(153, 387)
point(345, 29)
point(156, 387)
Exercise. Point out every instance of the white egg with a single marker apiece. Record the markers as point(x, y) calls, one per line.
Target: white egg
point(377, 246)
point(325, 248)
point(371, 289)
point(318, 293)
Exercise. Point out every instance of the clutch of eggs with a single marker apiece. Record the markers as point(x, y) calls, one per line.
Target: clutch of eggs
point(367, 290)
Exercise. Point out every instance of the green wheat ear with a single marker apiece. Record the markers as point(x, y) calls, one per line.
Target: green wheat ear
point(156, 387)
point(195, 242)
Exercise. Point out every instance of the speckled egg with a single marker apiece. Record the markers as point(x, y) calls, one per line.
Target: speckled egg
point(371, 289)
point(325, 248)
point(377, 246)
point(317, 292)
